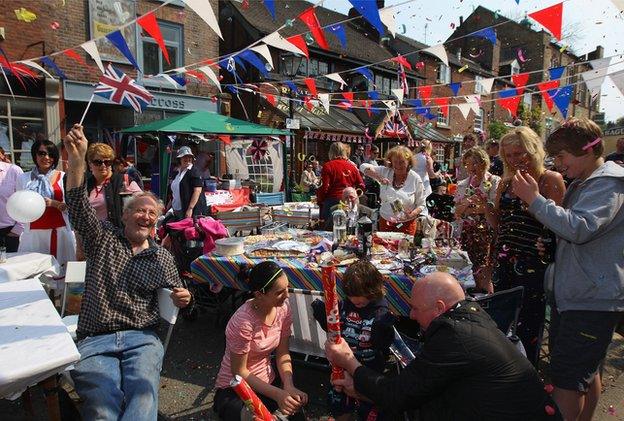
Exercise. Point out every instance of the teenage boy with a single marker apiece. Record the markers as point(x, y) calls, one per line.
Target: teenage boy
point(589, 263)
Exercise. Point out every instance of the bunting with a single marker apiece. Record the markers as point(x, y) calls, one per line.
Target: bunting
point(150, 25)
point(365, 71)
point(545, 88)
point(424, 93)
point(211, 75)
point(438, 51)
point(117, 39)
point(561, 98)
point(443, 104)
point(204, 11)
point(402, 61)
point(264, 51)
point(339, 31)
point(520, 80)
point(251, 58)
point(550, 18)
point(455, 87)
point(311, 84)
point(368, 9)
point(299, 42)
point(270, 5)
point(387, 18)
point(556, 72)
point(324, 98)
point(308, 17)
point(276, 40)
point(594, 78)
point(487, 33)
point(337, 78)
point(93, 52)
point(48, 62)
point(485, 85)
point(509, 100)
point(75, 56)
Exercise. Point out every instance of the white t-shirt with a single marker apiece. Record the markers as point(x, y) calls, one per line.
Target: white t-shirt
point(176, 202)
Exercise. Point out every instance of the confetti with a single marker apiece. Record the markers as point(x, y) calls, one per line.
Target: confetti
point(25, 15)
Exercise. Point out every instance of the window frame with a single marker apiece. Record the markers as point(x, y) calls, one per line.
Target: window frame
point(446, 77)
point(159, 82)
point(480, 118)
point(442, 120)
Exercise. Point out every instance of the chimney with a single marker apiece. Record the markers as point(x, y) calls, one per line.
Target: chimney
point(461, 20)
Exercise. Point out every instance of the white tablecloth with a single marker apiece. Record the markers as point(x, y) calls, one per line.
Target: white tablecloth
point(28, 265)
point(301, 206)
point(34, 342)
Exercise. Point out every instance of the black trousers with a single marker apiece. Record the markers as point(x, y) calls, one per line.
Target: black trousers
point(11, 242)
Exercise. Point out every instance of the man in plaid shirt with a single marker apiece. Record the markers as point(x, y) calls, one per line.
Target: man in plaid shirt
point(121, 355)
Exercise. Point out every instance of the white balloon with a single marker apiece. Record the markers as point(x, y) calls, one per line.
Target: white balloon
point(25, 206)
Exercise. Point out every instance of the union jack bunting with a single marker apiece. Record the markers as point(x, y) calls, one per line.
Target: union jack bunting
point(394, 127)
point(119, 88)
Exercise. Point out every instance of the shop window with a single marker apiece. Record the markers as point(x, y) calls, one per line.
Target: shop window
point(444, 120)
point(313, 67)
point(261, 171)
point(21, 124)
point(443, 74)
point(478, 86)
point(153, 60)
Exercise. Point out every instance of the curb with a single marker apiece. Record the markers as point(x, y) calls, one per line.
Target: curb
point(611, 404)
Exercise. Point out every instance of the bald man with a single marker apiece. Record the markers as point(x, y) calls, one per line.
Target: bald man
point(467, 369)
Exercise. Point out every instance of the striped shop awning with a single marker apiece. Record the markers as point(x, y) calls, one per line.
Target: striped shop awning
point(335, 137)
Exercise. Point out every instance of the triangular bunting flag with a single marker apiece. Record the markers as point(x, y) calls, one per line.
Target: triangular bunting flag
point(348, 96)
point(36, 66)
point(204, 11)
point(424, 92)
point(336, 78)
point(176, 82)
point(443, 104)
point(48, 62)
point(485, 85)
point(545, 88)
point(93, 52)
point(520, 80)
point(264, 51)
point(556, 72)
point(398, 93)
point(618, 80)
point(270, 5)
point(276, 40)
point(509, 100)
point(211, 75)
point(311, 84)
point(225, 138)
point(374, 95)
point(562, 97)
point(197, 75)
point(339, 31)
point(594, 78)
point(474, 101)
point(417, 106)
point(308, 17)
point(117, 39)
point(550, 18)
point(387, 18)
point(402, 60)
point(299, 42)
point(487, 33)
point(345, 105)
point(368, 9)
point(270, 99)
point(251, 58)
point(464, 109)
point(293, 88)
point(75, 56)
point(437, 51)
point(324, 98)
point(365, 71)
point(150, 25)
point(455, 87)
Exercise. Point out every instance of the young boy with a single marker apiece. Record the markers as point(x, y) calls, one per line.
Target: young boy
point(589, 263)
point(367, 326)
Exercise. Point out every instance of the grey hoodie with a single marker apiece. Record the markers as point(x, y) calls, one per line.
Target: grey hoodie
point(589, 263)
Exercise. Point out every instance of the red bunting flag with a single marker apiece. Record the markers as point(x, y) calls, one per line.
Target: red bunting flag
point(345, 105)
point(270, 99)
point(75, 56)
point(311, 84)
point(424, 93)
point(544, 87)
point(309, 18)
point(443, 103)
point(520, 80)
point(299, 42)
point(510, 103)
point(225, 138)
point(150, 25)
point(197, 75)
point(348, 96)
point(366, 104)
point(550, 18)
point(402, 60)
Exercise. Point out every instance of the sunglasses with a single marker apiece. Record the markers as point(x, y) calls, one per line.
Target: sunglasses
point(42, 154)
point(100, 162)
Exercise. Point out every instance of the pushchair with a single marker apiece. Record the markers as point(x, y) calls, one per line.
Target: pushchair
point(189, 239)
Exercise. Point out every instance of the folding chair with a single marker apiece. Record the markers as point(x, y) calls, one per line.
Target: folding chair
point(504, 308)
point(74, 275)
point(168, 311)
point(401, 351)
point(294, 218)
point(237, 222)
point(307, 337)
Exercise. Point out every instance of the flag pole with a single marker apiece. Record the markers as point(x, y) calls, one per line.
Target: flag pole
point(86, 109)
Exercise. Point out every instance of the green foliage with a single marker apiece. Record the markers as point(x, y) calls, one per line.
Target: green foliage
point(531, 117)
point(497, 129)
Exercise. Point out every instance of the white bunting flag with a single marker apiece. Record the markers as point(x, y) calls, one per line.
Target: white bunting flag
point(464, 109)
point(92, 50)
point(485, 85)
point(204, 10)
point(169, 79)
point(211, 75)
point(336, 78)
point(618, 80)
point(324, 98)
point(36, 66)
point(281, 43)
point(387, 18)
point(264, 51)
point(594, 78)
point(438, 51)
point(398, 92)
point(474, 101)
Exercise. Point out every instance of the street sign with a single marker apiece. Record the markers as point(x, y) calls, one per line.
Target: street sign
point(293, 123)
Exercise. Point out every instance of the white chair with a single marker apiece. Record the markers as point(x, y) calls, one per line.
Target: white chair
point(167, 311)
point(307, 336)
point(74, 275)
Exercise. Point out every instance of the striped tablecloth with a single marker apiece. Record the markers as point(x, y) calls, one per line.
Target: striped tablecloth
point(222, 271)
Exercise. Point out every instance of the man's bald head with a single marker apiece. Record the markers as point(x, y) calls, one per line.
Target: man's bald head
point(434, 295)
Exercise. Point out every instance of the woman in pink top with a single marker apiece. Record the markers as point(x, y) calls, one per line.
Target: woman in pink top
point(259, 327)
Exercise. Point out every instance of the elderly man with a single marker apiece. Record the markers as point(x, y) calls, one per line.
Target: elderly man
point(121, 355)
point(467, 369)
point(350, 203)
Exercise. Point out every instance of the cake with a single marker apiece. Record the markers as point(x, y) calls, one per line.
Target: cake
point(231, 246)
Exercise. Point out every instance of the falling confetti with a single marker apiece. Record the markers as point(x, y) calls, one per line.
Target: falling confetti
point(521, 56)
point(25, 15)
point(463, 68)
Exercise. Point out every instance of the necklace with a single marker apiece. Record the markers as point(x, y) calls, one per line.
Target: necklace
point(398, 184)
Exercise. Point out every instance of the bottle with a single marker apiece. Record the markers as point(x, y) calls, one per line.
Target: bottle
point(339, 217)
point(418, 235)
point(365, 236)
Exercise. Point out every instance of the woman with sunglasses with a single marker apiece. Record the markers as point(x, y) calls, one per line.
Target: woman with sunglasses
point(107, 189)
point(258, 328)
point(51, 233)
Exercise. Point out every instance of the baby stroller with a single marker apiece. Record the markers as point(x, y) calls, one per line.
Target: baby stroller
point(189, 239)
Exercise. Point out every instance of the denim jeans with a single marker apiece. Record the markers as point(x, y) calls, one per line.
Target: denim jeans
point(118, 375)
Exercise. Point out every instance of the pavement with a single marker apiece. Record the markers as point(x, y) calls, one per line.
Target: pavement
point(192, 362)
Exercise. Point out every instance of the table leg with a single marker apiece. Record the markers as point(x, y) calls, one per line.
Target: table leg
point(50, 390)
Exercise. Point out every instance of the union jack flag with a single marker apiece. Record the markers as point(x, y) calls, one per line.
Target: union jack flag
point(119, 88)
point(395, 127)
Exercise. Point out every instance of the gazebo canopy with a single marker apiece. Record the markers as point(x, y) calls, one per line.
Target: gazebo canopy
point(206, 122)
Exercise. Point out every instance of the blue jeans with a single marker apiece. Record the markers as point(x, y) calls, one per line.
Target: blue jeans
point(118, 375)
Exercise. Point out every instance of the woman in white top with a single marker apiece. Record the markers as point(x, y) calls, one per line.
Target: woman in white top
point(472, 192)
point(309, 181)
point(401, 192)
point(187, 196)
point(422, 164)
point(51, 233)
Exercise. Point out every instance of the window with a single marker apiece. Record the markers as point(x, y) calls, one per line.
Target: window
point(478, 121)
point(527, 99)
point(444, 74)
point(313, 67)
point(438, 152)
point(21, 124)
point(384, 84)
point(261, 171)
point(515, 67)
point(153, 60)
point(478, 88)
point(444, 120)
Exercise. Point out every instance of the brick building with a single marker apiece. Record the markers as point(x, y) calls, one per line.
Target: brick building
point(47, 107)
point(521, 48)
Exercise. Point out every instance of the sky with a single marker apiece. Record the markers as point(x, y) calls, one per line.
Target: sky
point(593, 22)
